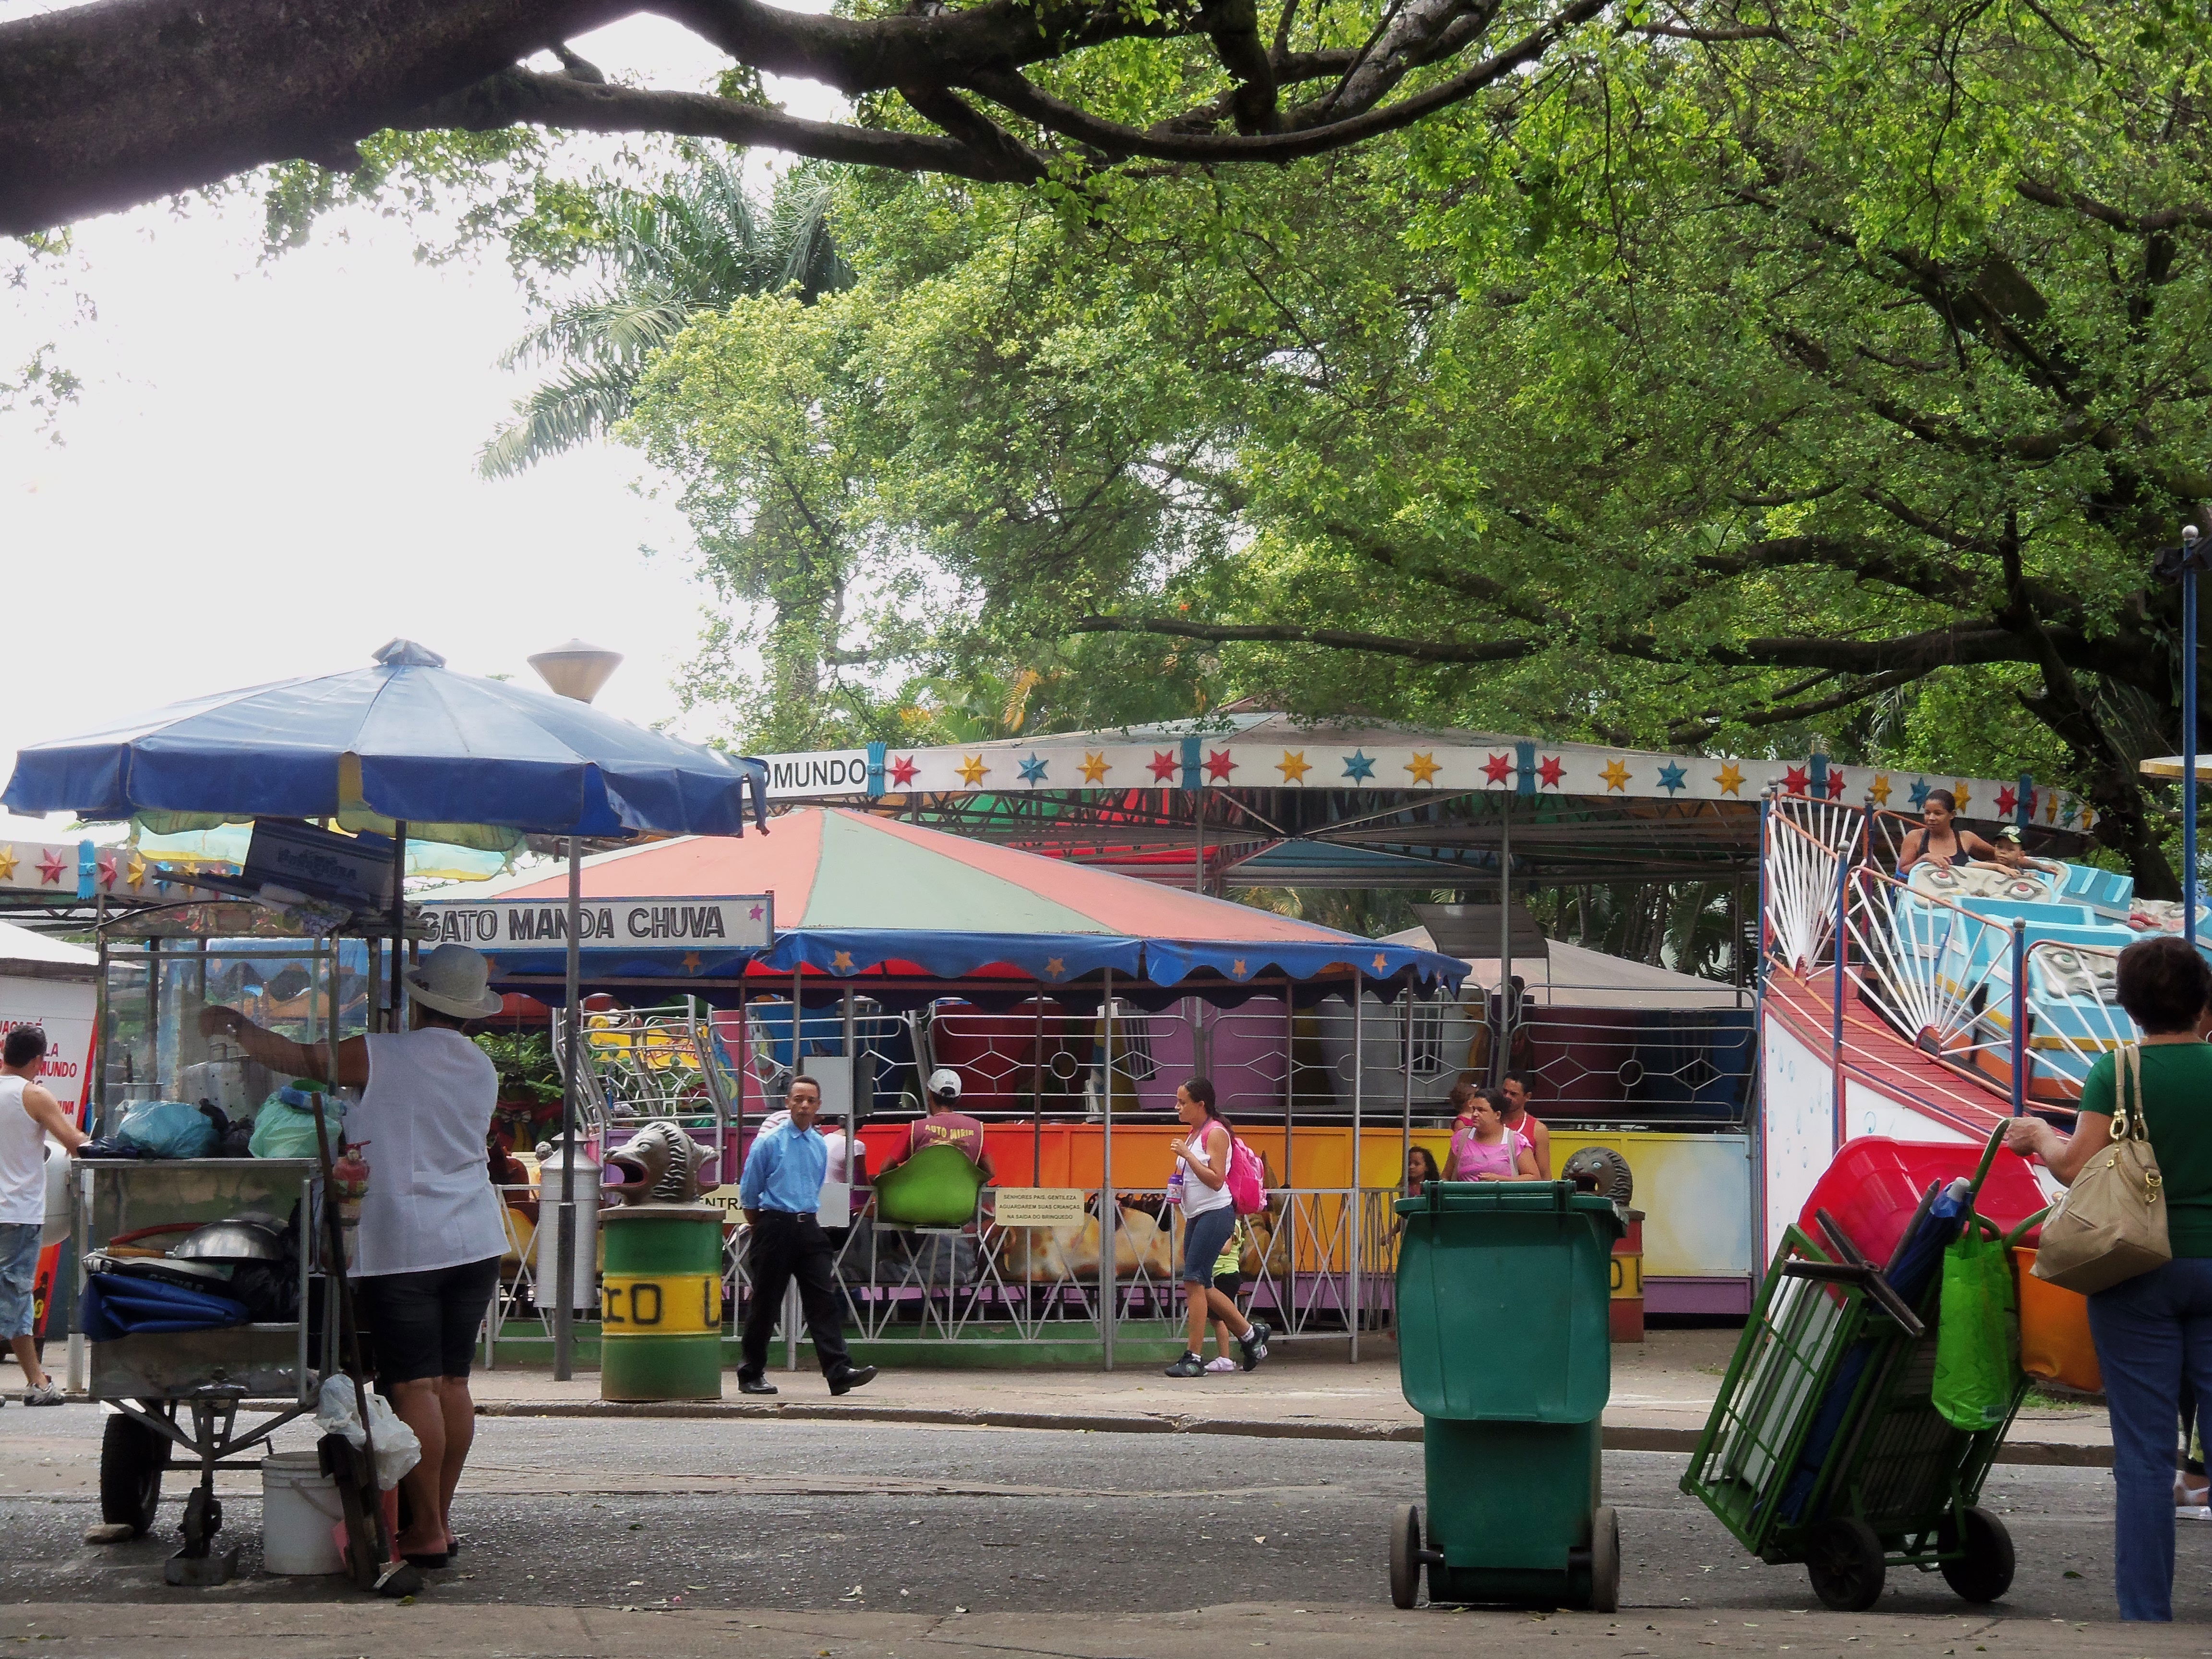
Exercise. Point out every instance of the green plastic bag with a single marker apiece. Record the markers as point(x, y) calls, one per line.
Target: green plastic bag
point(285, 1126)
point(1977, 1334)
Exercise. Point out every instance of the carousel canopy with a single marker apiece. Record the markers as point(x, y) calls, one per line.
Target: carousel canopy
point(405, 738)
point(867, 898)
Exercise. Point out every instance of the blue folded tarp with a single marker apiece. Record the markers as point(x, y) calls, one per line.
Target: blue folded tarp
point(119, 1305)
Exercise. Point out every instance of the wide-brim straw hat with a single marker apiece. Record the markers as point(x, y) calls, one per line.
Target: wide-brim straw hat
point(457, 981)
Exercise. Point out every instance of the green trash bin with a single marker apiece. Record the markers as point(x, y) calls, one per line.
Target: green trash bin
point(1504, 1348)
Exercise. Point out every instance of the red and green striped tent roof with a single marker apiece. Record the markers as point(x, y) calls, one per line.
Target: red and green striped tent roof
point(858, 896)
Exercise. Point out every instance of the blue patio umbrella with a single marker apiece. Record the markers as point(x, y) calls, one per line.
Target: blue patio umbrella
point(405, 745)
point(406, 739)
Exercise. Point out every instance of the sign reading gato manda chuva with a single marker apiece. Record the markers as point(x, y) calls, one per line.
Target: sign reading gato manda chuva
point(743, 923)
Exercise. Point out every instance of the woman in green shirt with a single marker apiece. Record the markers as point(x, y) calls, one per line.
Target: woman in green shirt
point(2152, 1330)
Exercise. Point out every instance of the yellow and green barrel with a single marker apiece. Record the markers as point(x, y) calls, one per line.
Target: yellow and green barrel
point(660, 1303)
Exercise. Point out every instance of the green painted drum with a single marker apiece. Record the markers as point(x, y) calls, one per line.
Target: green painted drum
point(660, 1303)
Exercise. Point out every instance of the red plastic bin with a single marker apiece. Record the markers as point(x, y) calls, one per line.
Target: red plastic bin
point(1875, 1184)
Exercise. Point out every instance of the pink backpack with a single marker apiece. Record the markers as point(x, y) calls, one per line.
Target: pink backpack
point(1247, 1178)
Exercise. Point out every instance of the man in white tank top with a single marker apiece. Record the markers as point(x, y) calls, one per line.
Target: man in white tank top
point(28, 1113)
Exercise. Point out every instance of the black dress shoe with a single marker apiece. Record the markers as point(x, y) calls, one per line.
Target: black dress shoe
point(852, 1377)
point(754, 1385)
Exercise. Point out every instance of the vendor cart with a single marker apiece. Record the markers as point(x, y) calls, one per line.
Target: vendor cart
point(1825, 1446)
point(178, 1396)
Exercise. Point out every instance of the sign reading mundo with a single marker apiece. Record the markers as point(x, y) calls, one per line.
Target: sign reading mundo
point(818, 772)
point(743, 923)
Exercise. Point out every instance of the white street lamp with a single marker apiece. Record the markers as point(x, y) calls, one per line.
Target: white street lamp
point(577, 669)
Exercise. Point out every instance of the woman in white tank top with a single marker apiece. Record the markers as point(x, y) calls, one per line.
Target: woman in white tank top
point(1199, 1187)
point(432, 1228)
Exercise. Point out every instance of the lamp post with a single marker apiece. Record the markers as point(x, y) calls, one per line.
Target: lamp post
point(2191, 561)
point(575, 670)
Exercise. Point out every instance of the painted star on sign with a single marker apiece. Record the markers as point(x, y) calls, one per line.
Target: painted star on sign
point(1498, 767)
point(1671, 776)
point(1730, 778)
point(1880, 789)
point(692, 962)
point(1960, 793)
point(1549, 770)
point(1358, 767)
point(1920, 792)
point(51, 868)
point(1423, 766)
point(903, 771)
point(1095, 768)
point(7, 861)
point(2008, 801)
point(1165, 765)
point(1293, 766)
point(756, 912)
point(1797, 780)
point(1033, 768)
point(1218, 766)
point(1616, 775)
point(972, 770)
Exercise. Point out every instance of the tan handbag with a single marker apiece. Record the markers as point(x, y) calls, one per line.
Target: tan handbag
point(2110, 1225)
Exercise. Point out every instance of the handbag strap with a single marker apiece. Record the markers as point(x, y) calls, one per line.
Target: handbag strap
point(2125, 1127)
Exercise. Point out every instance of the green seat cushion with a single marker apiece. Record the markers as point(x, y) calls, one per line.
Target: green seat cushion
point(935, 1188)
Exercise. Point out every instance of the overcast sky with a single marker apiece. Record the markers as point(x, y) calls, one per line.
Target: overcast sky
point(271, 470)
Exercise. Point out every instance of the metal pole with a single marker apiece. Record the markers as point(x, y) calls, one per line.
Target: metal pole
point(398, 925)
point(852, 1064)
point(1290, 1089)
point(1359, 1074)
point(2189, 738)
point(1406, 1116)
point(1504, 1060)
point(1843, 894)
point(1110, 1212)
point(1037, 1099)
point(564, 1215)
point(2020, 1016)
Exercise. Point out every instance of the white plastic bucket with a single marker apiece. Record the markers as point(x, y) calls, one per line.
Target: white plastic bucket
point(299, 1506)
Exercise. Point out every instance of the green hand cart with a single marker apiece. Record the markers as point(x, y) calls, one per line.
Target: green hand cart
point(1825, 1446)
point(1504, 1348)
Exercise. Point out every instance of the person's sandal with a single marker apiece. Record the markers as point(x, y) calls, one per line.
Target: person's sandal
point(1189, 1366)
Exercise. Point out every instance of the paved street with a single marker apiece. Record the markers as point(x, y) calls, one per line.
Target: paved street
point(874, 1518)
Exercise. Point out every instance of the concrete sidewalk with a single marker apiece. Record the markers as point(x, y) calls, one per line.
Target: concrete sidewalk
point(1662, 1392)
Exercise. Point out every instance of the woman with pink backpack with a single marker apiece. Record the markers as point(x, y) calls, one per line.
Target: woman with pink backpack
point(1199, 1185)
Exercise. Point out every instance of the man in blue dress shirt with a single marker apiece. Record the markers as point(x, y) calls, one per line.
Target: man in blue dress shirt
point(779, 1192)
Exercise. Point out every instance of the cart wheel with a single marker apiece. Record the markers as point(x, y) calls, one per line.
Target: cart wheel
point(1984, 1572)
point(1605, 1560)
point(202, 1520)
point(1405, 1556)
point(131, 1459)
point(1846, 1563)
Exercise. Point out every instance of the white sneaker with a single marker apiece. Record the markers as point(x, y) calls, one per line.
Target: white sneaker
point(1219, 1364)
point(46, 1393)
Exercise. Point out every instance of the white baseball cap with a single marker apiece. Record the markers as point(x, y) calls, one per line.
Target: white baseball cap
point(944, 1084)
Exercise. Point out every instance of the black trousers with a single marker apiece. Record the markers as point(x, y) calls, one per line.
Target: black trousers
point(786, 1247)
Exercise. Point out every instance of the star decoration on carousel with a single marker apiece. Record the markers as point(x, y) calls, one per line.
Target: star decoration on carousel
point(51, 868)
point(1381, 961)
point(1498, 767)
point(1236, 968)
point(1095, 768)
point(1731, 778)
point(106, 868)
point(972, 770)
point(1164, 765)
point(756, 912)
point(2027, 803)
point(1797, 780)
point(1423, 766)
point(841, 962)
point(135, 872)
point(1880, 789)
point(1033, 768)
point(903, 771)
point(7, 861)
point(1358, 767)
point(1616, 775)
point(1056, 967)
point(692, 960)
point(1550, 770)
point(1674, 776)
point(1835, 783)
point(1960, 793)
point(2089, 815)
point(1919, 793)
point(2008, 801)
point(1218, 766)
point(1293, 766)
point(2051, 806)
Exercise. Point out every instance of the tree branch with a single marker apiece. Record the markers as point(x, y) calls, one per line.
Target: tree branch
point(1338, 639)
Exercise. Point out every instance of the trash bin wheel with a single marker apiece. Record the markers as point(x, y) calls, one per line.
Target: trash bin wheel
point(1605, 1560)
point(1405, 1556)
point(1984, 1572)
point(1846, 1563)
point(131, 1459)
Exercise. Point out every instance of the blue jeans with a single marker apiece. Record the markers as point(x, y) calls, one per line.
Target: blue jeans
point(2151, 1332)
